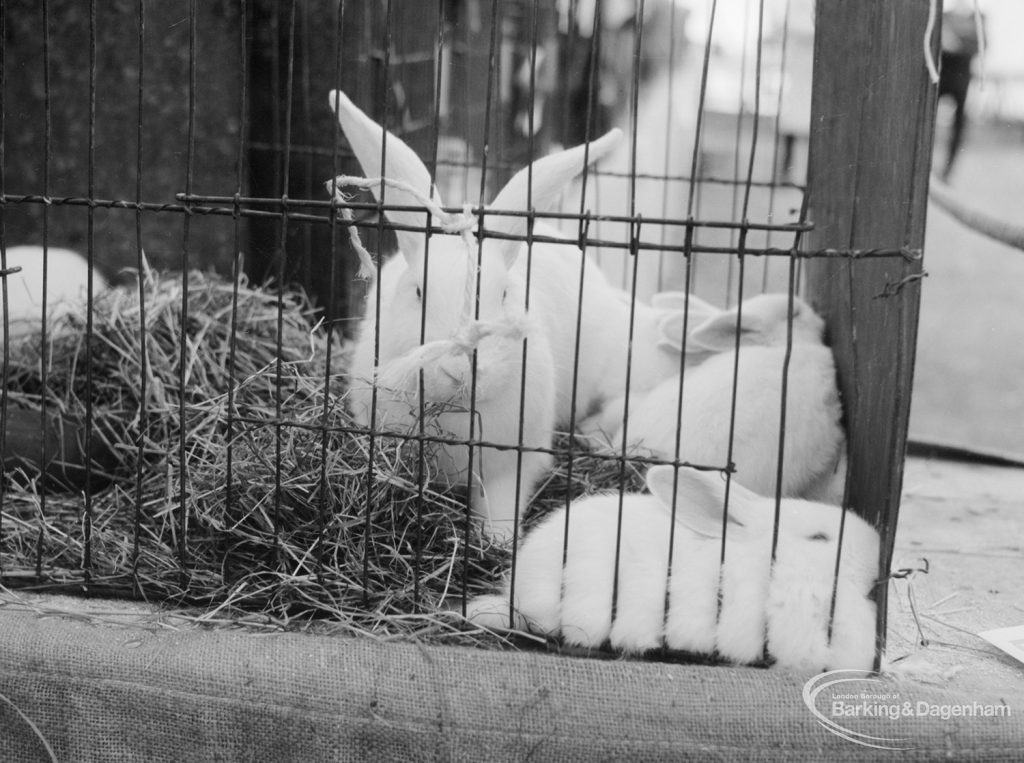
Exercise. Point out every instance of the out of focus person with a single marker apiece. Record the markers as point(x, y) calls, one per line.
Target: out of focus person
point(960, 45)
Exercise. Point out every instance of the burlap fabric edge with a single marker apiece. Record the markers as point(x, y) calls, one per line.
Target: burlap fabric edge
point(139, 691)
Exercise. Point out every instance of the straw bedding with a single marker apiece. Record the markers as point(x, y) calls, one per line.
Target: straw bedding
point(189, 507)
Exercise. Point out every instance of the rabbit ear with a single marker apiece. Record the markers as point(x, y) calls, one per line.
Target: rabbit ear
point(366, 138)
point(540, 187)
point(677, 301)
point(670, 331)
point(764, 316)
point(700, 497)
point(719, 332)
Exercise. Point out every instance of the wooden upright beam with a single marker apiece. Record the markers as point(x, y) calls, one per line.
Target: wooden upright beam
point(164, 68)
point(873, 109)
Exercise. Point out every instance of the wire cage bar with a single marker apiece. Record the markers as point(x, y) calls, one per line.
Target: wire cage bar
point(189, 433)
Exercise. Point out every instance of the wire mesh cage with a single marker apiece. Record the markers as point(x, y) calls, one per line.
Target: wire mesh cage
point(383, 308)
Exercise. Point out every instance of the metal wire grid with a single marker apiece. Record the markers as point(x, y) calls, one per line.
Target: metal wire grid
point(243, 207)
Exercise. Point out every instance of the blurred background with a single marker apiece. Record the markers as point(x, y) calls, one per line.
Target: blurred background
point(969, 380)
point(189, 115)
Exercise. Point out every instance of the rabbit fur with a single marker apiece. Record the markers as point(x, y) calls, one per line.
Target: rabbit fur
point(814, 441)
point(814, 462)
point(67, 272)
point(441, 283)
point(630, 180)
point(783, 604)
point(765, 321)
point(815, 449)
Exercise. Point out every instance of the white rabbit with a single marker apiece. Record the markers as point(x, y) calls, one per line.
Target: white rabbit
point(814, 464)
point(66, 276)
point(765, 322)
point(675, 301)
point(783, 605)
point(441, 287)
point(654, 358)
point(814, 442)
point(710, 333)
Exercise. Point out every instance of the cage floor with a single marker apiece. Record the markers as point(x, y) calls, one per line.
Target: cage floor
point(964, 519)
point(96, 679)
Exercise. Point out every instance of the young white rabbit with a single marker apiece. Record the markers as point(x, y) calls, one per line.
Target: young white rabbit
point(815, 441)
point(66, 276)
point(815, 446)
point(783, 605)
point(676, 301)
point(654, 358)
point(441, 287)
point(765, 322)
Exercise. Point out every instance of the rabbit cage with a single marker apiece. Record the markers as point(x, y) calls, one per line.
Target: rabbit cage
point(192, 439)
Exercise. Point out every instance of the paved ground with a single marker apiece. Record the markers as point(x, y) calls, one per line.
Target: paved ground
point(966, 521)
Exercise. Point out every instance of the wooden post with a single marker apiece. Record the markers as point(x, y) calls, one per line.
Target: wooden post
point(873, 109)
point(165, 118)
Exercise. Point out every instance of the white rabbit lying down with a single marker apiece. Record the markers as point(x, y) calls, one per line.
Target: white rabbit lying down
point(814, 463)
point(784, 605)
point(815, 441)
point(66, 278)
point(765, 321)
point(440, 285)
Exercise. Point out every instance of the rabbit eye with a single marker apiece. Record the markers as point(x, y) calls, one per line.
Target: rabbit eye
point(419, 294)
point(819, 536)
point(504, 294)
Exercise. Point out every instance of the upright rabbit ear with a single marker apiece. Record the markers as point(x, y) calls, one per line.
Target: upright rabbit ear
point(366, 138)
point(540, 187)
point(700, 499)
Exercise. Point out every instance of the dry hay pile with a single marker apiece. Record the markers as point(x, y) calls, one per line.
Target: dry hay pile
point(196, 511)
